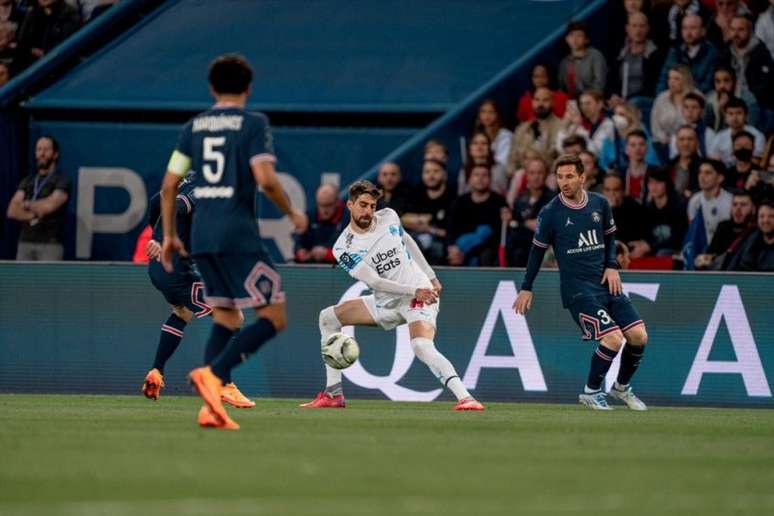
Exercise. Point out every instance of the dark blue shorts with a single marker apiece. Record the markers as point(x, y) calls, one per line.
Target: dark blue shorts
point(180, 288)
point(601, 314)
point(239, 280)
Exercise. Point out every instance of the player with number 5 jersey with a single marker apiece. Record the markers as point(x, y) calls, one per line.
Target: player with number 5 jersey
point(580, 227)
point(374, 249)
point(233, 149)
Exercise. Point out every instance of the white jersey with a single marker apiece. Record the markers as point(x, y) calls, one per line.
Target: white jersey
point(382, 249)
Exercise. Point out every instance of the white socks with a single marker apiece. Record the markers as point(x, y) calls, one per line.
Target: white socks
point(440, 366)
point(329, 324)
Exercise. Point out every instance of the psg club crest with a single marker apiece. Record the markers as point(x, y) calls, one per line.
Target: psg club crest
point(595, 216)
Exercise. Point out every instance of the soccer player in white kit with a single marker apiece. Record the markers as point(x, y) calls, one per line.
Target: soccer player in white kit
point(374, 249)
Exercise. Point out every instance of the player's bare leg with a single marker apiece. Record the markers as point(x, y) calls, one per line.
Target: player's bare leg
point(171, 334)
point(422, 334)
point(636, 339)
point(349, 313)
point(593, 395)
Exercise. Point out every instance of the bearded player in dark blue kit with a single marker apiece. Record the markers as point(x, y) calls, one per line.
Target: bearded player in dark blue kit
point(580, 227)
point(233, 150)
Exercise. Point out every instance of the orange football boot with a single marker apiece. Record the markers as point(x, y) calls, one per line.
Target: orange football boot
point(209, 420)
point(469, 404)
point(154, 382)
point(234, 397)
point(209, 386)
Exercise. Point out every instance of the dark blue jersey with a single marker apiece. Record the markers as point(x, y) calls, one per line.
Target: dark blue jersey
point(221, 144)
point(583, 242)
point(185, 207)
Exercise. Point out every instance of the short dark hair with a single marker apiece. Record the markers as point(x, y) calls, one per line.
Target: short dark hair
point(768, 203)
point(743, 134)
point(695, 96)
point(735, 102)
point(575, 139)
point(230, 73)
point(638, 133)
point(577, 25)
point(362, 187)
point(716, 165)
point(663, 174)
point(740, 192)
point(725, 68)
point(437, 162)
point(54, 143)
point(569, 159)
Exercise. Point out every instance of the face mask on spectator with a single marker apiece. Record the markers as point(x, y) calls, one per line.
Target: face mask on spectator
point(621, 122)
point(743, 155)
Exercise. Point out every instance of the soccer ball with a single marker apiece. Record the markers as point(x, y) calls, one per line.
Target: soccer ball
point(340, 351)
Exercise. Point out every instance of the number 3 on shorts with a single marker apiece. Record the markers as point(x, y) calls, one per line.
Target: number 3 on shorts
point(603, 317)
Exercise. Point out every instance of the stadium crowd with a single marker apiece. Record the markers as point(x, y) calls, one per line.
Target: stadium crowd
point(30, 29)
point(673, 122)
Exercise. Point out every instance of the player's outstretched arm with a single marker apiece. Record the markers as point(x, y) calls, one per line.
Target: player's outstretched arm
point(172, 242)
point(266, 177)
point(416, 254)
point(368, 276)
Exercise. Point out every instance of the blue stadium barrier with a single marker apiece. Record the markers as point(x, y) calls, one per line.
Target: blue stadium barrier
point(93, 328)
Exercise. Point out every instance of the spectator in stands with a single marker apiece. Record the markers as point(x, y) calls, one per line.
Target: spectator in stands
point(490, 122)
point(39, 204)
point(760, 184)
point(684, 169)
point(475, 222)
point(764, 27)
point(739, 173)
point(479, 152)
point(736, 120)
point(664, 216)
point(326, 222)
point(618, 17)
point(394, 193)
point(435, 149)
point(693, 115)
point(591, 170)
point(626, 119)
point(638, 64)
point(599, 126)
point(539, 135)
point(677, 13)
point(7, 47)
point(540, 78)
point(46, 25)
point(724, 15)
point(637, 168)
point(627, 213)
point(713, 201)
point(751, 61)
point(725, 87)
point(695, 52)
point(574, 144)
point(427, 215)
point(525, 212)
point(584, 67)
point(666, 116)
point(11, 13)
point(757, 251)
point(5, 74)
point(729, 234)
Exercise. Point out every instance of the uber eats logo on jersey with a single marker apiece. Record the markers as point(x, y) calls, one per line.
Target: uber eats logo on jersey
point(587, 241)
point(386, 260)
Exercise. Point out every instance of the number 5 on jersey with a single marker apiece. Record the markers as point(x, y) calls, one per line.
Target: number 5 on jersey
point(210, 152)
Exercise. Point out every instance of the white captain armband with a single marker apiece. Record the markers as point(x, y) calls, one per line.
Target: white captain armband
point(179, 164)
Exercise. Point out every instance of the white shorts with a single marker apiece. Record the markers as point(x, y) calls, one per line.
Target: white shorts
point(402, 310)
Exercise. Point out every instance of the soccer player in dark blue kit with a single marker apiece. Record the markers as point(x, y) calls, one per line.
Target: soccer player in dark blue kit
point(580, 227)
point(183, 290)
point(233, 150)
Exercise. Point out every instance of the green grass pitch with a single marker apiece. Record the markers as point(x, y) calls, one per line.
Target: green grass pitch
point(121, 455)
